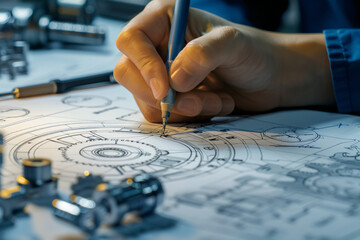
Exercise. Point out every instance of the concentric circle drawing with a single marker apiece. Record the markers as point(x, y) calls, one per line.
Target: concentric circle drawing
point(111, 152)
point(284, 135)
point(117, 150)
point(86, 101)
point(12, 112)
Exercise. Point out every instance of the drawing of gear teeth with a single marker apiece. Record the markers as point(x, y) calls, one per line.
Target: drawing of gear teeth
point(115, 149)
point(331, 180)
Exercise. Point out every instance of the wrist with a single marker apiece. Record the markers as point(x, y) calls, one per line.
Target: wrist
point(304, 75)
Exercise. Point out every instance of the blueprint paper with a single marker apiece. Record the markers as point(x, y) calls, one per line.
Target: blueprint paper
point(283, 175)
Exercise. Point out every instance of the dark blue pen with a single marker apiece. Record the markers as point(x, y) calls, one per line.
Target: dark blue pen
point(176, 43)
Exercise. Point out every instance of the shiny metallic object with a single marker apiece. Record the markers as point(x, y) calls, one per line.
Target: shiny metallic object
point(12, 202)
point(37, 180)
point(13, 58)
point(75, 11)
point(79, 211)
point(86, 184)
point(140, 194)
point(38, 29)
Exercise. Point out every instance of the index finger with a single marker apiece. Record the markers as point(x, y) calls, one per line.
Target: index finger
point(140, 39)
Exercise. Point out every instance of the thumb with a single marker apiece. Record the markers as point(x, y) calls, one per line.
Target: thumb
point(203, 55)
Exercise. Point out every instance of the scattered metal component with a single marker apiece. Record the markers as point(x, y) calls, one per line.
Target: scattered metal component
point(140, 194)
point(120, 9)
point(38, 29)
point(13, 61)
point(12, 202)
point(35, 185)
point(79, 211)
point(37, 180)
point(86, 184)
point(109, 204)
point(82, 12)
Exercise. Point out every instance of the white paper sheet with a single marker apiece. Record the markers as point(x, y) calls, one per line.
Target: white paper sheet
point(283, 175)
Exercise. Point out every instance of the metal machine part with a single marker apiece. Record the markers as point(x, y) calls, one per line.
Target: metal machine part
point(120, 9)
point(110, 203)
point(37, 171)
point(76, 11)
point(79, 211)
point(12, 202)
point(140, 194)
point(36, 185)
point(13, 60)
point(38, 29)
point(37, 180)
point(86, 184)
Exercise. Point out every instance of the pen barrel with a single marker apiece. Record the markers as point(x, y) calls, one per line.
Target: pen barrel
point(65, 85)
point(170, 97)
point(75, 33)
point(36, 90)
point(178, 29)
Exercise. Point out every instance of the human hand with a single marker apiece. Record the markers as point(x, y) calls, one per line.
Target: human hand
point(224, 66)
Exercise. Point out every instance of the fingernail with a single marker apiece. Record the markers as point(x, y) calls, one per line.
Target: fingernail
point(181, 79)
point(155, 87)
point(187, 106)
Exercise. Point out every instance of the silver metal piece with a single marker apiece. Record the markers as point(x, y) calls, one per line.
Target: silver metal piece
point(140, 194)
point(13, 60)
point(37, 180)
point(82, 213)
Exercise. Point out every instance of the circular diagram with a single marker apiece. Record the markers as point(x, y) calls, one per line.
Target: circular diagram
point(297, 136)
point(86, 101)
point(12, 112)
point(114, 150)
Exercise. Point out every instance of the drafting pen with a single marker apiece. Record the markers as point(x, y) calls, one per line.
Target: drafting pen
point(176, 43)
point(59, 86)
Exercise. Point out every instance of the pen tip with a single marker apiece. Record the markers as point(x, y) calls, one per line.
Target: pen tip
point(164, 127)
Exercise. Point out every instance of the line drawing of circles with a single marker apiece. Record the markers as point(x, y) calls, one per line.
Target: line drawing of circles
point(86, 101)
point(291, 135)
point(111, 152)
point(12, 112)
point(100, 147)
point(338, 186)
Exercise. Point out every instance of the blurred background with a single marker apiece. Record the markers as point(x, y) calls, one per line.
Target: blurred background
point(42, 40)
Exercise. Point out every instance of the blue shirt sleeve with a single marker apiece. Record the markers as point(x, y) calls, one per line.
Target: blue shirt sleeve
point(343, 46)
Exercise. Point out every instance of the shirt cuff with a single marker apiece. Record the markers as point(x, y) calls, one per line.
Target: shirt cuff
point(344, 56)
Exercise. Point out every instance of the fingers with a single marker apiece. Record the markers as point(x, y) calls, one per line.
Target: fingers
point(139, 41)
point(202, 55)
point(193, 104)
point(152, 114)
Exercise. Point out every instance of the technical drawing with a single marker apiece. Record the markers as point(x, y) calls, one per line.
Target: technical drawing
point(284, 135)
point(12, 112)
point(87, 101)
point(234, 178)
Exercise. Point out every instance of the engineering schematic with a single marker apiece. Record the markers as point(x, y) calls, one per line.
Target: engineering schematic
point(284, 175)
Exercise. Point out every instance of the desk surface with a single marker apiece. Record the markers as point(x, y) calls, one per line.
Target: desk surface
point(283, 175)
